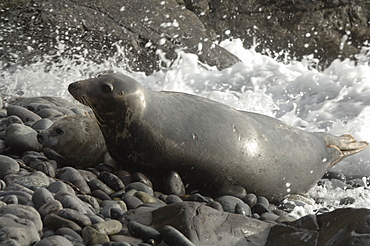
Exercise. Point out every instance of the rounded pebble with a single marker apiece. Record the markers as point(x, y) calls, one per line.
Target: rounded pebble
point(144, 232)
point(54, 222)
point(173, 184)
point(73, 176)
point(54, 240)
point(145, 197)
point(22, 138)
point(229, 203)
point(243, 209)
point(91, 236)
point(7, 166)
point(42, 124)
point(132, 202)
point(139, 177)
point(24, 114)
point(108, 227)
point(334, 175)
point(231, 190)
point(112, 181)
point(250, 199)
point(97, 184)
point(140, 187)
point(172, 236)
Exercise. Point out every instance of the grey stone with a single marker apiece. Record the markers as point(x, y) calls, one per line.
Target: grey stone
point(144, 232)
point(31, 180)
point(203, 225)
point(229, 203)
point(174, 185)
point(140, 187)
point(55, 240)
point(23, 231)
point(7, 166)
point(23, 212)
point(22, 138)
point(108, 227)
point(73, 176)
point(24, 114)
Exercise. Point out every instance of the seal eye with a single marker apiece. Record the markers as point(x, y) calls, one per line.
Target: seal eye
point(107, 88)
point(59, 131)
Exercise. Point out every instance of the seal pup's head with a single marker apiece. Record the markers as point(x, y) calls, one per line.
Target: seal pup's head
point(112, 97)
point(76, 138)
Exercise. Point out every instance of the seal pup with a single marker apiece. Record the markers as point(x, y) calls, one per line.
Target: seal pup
point(208, 143)
point(74, 140)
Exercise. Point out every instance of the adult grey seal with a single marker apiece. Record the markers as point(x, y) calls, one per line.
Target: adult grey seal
point(208, 143)
point(74, 140)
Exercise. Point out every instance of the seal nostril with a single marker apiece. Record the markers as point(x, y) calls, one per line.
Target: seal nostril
point(40, 138)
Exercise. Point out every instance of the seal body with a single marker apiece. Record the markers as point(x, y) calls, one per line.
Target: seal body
point(76, 139)
point(208, 143)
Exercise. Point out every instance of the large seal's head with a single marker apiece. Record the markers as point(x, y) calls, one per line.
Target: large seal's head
point(112, 97)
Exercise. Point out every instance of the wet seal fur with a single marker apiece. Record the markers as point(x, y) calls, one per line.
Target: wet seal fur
point(208, 143)
point(74, 140)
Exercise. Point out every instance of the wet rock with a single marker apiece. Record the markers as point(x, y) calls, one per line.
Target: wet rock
point(22, 231)
point(132, 202)
point(97, 184)
point(243, 209)
point(24, 114)
point(173, 184)
point(91, 236)
point(7, 166)
point(139, 186)
point(250, 199)
point(80, 219)
point(41, 125)
point(334, 175)
point(23, 212)
point(108, 227)
point(41, 196)
point(140, 177)
point(141, 40)
point(173, 199)
point(196, 197)
point(31, 180)
point(144, 232)
point(55, 240)
point(229, 203)
point(112, 181)
point(54, 222)
point(145, 197)
point(69, 233)
point(232, 190)
point(173, 237)
point(203, 225)
point(53, 206)
point(99, 194)
point(73, 176)
point(22, 138)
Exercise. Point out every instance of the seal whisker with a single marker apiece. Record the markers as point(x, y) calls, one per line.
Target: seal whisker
point(88, 103)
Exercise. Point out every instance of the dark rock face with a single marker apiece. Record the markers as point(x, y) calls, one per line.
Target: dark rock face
point(148, 29)
point(96, 29)
point(327, 29)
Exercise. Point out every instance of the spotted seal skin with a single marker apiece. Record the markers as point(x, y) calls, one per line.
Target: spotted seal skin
point(208, 143)
point(76, 139)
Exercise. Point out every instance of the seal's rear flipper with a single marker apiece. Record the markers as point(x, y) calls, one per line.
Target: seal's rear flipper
point(346, 144)
point(349, 146)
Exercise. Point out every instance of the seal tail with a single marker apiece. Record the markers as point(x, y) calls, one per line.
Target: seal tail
point(346, 144)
